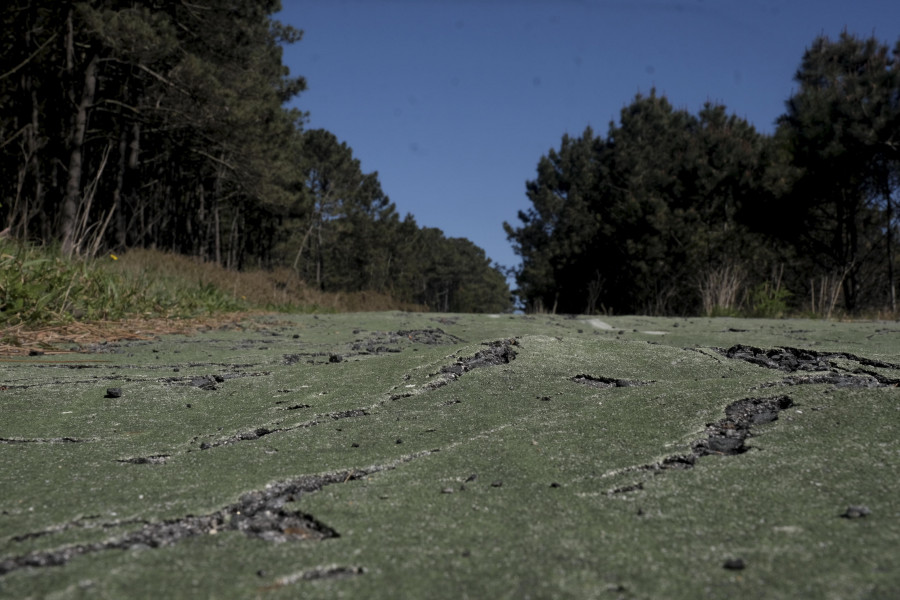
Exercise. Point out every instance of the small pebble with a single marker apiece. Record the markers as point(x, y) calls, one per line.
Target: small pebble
point(447, 490)
point(855, 512)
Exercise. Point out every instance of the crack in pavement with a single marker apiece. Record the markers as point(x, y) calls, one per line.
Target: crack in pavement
point(793, 360)
point(325, 572)
point(56, 440)
point(259, 432)
point(497, 353)
point(86, 522)
point(600, 382)
point(207, 382)
point(725, 437)
point(259, 513)
point(156, 459)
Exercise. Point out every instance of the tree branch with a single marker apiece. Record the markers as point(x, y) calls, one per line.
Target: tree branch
point(27, 60)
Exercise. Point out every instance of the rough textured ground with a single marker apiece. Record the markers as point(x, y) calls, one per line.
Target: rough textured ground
point(404, 455)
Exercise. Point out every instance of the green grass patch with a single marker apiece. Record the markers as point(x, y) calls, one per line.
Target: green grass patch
point(39, 286)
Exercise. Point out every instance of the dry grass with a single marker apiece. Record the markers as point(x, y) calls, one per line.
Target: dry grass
point(278, 289)
point(721, 290)
point(176, 278)
point(25, 340)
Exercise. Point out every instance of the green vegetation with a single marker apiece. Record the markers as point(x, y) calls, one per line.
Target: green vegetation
point(163, 125)
point(40, 286)
point(677, 213)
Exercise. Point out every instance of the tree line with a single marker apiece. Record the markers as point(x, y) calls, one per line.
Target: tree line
point(164, 124)
point(675, 213)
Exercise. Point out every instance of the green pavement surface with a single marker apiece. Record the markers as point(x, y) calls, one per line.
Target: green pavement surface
point(399, 455)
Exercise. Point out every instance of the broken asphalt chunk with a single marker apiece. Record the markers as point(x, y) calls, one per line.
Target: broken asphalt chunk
point(856, 512)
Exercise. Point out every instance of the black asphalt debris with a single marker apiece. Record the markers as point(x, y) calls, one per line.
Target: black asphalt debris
point(856, 512)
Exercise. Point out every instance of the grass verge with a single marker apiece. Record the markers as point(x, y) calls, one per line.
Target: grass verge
point(47, 299)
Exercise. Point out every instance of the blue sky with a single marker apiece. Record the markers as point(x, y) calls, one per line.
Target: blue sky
point(453, 102)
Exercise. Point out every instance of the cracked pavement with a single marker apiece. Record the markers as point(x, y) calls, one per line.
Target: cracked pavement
point(376, 455)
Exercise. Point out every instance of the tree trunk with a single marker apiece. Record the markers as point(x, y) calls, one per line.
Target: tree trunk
point(35, 166)
point(118, 191)
point(890, 250)
point(73, 183)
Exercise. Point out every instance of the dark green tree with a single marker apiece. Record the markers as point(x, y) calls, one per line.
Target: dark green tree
point(157, 123)
point(334, 236)
point(636, 222)
point(162, 124)
point(841, 132)
point(560, 230)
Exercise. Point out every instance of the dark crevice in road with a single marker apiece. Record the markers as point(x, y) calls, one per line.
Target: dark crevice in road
point(725, 437)
point(374, 344)
point(56, 440)
point(156, 459)
point(206, 382)
point(255, 434)
point(86, 522)
point(826, 371)
point(600, 382)
point(262, 514)
point(499, 352)
point(329, 572)
point(210, 382)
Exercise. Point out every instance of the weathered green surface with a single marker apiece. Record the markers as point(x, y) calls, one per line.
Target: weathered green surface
point(569, 500)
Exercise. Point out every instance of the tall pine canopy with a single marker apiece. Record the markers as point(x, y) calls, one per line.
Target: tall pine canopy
point(675, 213)
point(636, 222)
point(163, 124)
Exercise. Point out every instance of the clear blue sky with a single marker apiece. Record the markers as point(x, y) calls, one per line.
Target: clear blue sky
point(453, 102)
